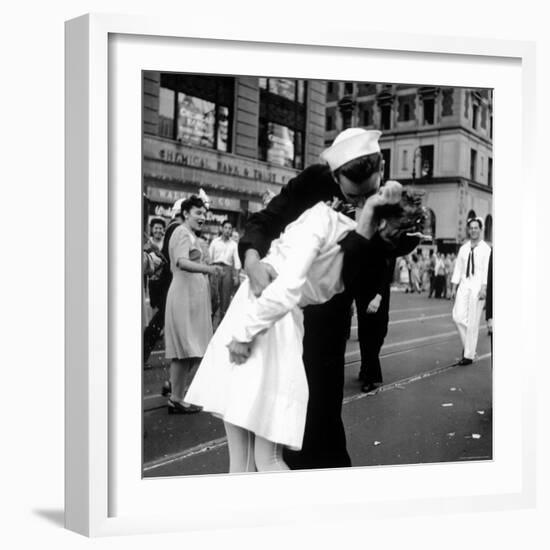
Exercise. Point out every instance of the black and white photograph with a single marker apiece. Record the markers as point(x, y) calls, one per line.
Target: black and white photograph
point(317, 274)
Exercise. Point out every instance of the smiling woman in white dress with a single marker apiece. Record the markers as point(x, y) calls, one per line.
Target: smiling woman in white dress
point(259, 387)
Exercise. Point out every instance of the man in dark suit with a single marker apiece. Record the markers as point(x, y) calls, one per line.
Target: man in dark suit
point(489, 299)
point(352, 171)
point(373, 306)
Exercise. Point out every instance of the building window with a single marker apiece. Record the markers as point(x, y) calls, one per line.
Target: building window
point(475, 114)
point(490, 172)
point(488, 237)
point(294, 90)
point(348, 88)
point(283, 122)
point(385, 112)
point(406, 112)
point(346, 119)
point(330, 88)
point(491, 127)
point(366, 118)
point(473, 164)
point(386, 155)
point(329, 123)
point(430, 223)
point(202, 122)
point(167, 110)
point(280, 145)
point(426, 161)
point(196, 111)
point(429, 107)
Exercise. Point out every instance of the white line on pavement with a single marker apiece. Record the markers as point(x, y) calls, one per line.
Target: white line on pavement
point(406, 381)
point(421, 318)
point(356, 354)
point(406, 310)
point(397, 322)
point(222, 441)
point(198, 449)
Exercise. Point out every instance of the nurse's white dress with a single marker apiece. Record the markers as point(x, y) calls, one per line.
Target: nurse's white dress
point(268, 393)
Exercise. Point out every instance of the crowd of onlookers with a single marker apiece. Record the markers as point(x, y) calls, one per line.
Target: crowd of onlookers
point(422, 271)
point(217, 250)
point(426, 271)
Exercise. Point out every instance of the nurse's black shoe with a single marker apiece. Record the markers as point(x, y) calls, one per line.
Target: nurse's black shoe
point(465, 361)
point(177, 408)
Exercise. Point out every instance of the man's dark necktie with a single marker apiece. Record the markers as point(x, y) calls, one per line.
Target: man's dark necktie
point(470, 268)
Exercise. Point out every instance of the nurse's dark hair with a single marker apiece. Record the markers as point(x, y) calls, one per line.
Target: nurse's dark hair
point(408, 214)
point(192, 201)
point(361, 168)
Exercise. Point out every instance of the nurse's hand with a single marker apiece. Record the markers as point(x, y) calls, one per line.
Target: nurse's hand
point(239, 352)
point(389, 193)
point(259, 273)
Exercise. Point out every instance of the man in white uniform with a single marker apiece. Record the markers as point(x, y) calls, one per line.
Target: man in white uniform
point(470, 276)
point(224, 252)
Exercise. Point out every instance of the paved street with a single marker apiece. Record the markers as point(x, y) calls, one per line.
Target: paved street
point(428, 410)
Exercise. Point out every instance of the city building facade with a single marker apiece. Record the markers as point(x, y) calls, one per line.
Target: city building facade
point(239, 139)
point(438, 139)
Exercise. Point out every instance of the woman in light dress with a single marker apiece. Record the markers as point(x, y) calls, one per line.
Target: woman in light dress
point(404, 277)
point(252, 375)
point(415, 274)
point(188, 324)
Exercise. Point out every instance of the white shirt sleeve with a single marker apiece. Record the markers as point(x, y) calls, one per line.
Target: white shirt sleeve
point(211, 250)
point(459, 266)
point(236, 259)
point(281, 295)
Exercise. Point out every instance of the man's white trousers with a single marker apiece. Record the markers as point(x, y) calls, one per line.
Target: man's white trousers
point(467, 315)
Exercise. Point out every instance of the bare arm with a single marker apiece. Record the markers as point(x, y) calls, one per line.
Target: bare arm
point(195, 267)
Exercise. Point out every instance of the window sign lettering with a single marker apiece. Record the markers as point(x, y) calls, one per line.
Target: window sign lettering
point(196, 121)
point(280, 145)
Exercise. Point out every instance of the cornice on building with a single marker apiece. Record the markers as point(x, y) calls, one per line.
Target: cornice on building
point(449, 180)
point(435, 130)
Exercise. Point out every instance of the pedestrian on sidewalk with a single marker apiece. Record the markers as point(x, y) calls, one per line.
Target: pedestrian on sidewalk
point(188, 321)
point(260, 388)
point(404, 277)
point(224, 253)
point(160, 287)
point(415, 274)
point(373, 305)
point(439, 275)
point(470, 288)
point(430, 269)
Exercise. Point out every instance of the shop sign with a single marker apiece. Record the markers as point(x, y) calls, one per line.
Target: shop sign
point(215, 161)
point(170, 196)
